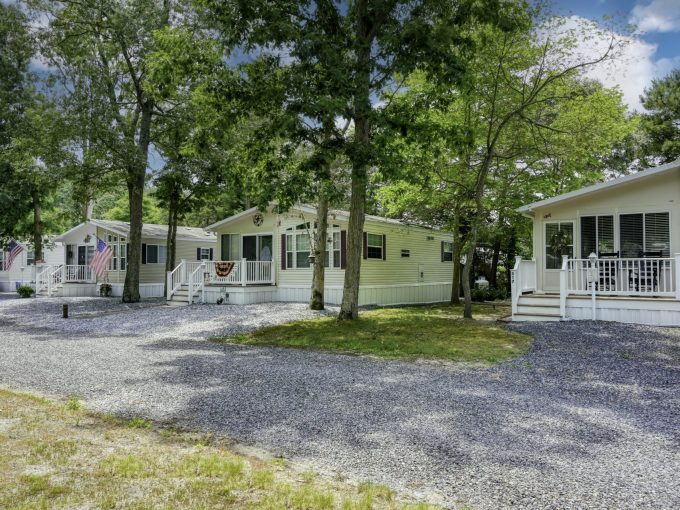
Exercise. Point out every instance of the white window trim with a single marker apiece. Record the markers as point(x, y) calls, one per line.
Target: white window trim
point(447, 251)
point(158, 255)
point(381, 246)
point(292, 231)
point(203, 249)
point(545, 241)
point(644, 241)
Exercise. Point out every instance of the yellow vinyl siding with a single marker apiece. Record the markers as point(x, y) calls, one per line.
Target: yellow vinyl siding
point(396, 270)
point(155, 273)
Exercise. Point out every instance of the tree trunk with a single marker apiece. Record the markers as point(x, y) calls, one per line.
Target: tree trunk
point(37, 227)
point(493, 277)
point(510, 254)
point(320, 245)
point(349, 309)
point(136, 179)
point(171, 239)
point(457, 248)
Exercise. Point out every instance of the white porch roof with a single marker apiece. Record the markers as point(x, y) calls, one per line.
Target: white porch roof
point(528, 209)
point(149, 230)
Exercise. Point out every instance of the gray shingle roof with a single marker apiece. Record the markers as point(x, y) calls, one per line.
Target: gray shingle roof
point(157, 231)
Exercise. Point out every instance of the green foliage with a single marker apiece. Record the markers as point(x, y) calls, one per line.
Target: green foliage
point(662, 123)
point(481, 294)
point(152, 212)
point(25, 291)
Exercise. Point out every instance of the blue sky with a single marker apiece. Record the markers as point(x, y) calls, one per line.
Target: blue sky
point(651, 53)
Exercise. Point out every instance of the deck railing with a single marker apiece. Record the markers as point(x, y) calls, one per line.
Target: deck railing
point(235, 272)
point(78, 274)
point(522, 279)
point(646, 277)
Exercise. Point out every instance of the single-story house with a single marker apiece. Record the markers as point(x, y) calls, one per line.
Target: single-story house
point(610, 251)
point(71, 276)
point(23, 269)
point(264, 256)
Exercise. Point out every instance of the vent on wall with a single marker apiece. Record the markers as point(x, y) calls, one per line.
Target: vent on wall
point(405, 253)
point(430, 238)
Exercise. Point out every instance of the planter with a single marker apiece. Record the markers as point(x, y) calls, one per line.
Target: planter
point(105, 290)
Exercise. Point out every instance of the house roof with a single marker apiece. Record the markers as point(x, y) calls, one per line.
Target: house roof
point(309, 209)
point(149, 230)
point(643, 174)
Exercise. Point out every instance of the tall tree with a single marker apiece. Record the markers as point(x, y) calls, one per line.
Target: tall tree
point(106, 44)
point(662, 123)
point(362, 46)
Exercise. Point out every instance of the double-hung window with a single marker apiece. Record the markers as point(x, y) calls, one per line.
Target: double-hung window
point(156, 254)
point(332, 255)
point(375, 247)
point(644, 232)
point(597, 235)
point(447, 251)
point(559, 241)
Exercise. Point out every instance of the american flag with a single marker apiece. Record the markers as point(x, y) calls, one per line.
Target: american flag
point(101, 259)
point(14, 250)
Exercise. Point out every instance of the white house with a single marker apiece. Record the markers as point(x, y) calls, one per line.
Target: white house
point(610, 251)
point(23, 269)
point(264, 256)
point(71, 275)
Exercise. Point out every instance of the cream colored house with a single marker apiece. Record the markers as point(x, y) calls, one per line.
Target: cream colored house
point(610, 251)
point(23, 270)
point(264, 256)
point(72, 276)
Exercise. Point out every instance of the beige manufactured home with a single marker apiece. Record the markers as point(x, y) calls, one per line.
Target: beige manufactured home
point(610, 251)
point(264, 256)
point(72, 276)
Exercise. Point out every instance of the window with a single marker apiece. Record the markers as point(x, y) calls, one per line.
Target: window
point(559, 240)
point(332, 257)
point(302, 247)
point(597, 235)
point(230, 247)
point(157, 254)
point(30, 258)
point(644, 232)
point(447, 251)
point(205, 254)
point(119, 258)
point(374, 243)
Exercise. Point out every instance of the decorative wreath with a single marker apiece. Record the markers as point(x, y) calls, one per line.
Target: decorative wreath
point(258, 219)
point(224, 269)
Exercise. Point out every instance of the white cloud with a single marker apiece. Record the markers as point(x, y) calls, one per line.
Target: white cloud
point(631, 71)
point(657, 16)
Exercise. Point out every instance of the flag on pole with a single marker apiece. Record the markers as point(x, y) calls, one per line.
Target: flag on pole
point(14, 250)
point(101, 259)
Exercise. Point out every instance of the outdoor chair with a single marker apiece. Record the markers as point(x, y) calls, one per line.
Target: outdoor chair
point(607, 270)
point(646, 275)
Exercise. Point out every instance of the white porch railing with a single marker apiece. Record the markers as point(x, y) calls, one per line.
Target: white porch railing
point(78, 274)
point(198, 274)
point(42, 276)
point(522, 279)
point(646, 277)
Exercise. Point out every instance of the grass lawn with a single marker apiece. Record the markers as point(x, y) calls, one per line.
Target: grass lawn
point(60, 456)
point(408, 332)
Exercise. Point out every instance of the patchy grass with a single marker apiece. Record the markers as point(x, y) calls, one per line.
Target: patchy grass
point(408, 332)
point(61, 456)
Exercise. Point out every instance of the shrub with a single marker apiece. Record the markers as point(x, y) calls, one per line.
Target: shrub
point(105, 290)
point(25, 291)
point(487, 294)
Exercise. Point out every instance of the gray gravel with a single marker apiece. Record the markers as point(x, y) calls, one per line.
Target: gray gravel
point(588, 419)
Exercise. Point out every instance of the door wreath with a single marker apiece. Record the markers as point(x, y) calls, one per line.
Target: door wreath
point(224, 269)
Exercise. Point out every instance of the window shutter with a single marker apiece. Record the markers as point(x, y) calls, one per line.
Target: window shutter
point(283, 251)
point(343, 249)
point(657, 233)
point(631, 235)
point(441, 251)
point(143, 253)
point(211, 254)
point(198, 254)
point(384, 246)
point(365, 245)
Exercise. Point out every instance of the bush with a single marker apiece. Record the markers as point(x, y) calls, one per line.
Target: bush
point(25, 291)
point(488, 294)
point(105, 290)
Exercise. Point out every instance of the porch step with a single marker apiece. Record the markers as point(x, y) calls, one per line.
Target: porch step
point(542, 310)
point(522, 317)
point(539, 300)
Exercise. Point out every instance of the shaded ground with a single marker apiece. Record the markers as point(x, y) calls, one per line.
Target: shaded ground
point(588, 418)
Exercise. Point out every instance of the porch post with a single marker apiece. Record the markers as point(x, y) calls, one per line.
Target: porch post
point(273, 271)
point(563, 286)
point(244, 272)
point(168, 285)
point(514, 285)
point(677, 275)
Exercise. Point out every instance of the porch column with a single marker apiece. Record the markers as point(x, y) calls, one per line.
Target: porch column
point(676, 262)
point(244, 272)
point(563, 286)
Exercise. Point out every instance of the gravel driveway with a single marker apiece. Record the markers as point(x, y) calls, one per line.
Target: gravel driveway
point(590, 418)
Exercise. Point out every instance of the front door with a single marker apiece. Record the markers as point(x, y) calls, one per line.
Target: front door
point(82, 254)
point(258, 247)
point(250, 247)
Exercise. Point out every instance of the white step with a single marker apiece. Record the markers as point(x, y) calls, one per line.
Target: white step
point(539, 299)
point(538, 309)
point(519, 317)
